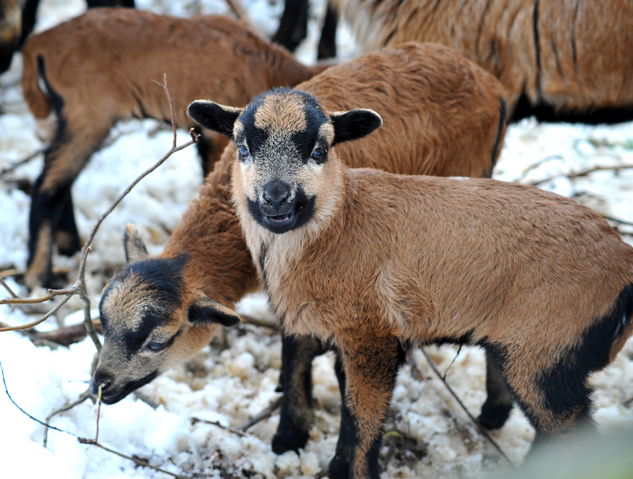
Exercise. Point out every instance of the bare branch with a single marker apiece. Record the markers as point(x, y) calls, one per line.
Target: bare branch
point(84, 395)
point(195, 420)
point(19, 163)
point(6, 286)
point(238, 11)
point(41, 320)
point(9, 272)
point(259, 322)
point(265, 414)
point(580, 173)
point(481, 429)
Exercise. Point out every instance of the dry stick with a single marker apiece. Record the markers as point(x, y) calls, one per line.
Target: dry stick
point(84, 395)
point(535, 165)
point(481, 429)
point(195, 420)
point(414, 366)
point(15, 165)
point(259, 322)
point(266, 413)
point(6, 286)
point(573, 175)
point(238, 11)
point(79, 288)
point(9, 272)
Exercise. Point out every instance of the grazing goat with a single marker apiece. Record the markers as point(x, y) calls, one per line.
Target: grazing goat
point(422, 91)
point(17, 19)
point(98, 69)
point(558, 60)
point(377, 263)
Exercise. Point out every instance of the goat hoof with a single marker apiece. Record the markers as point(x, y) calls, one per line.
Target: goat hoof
point(494, 416)
point(284, 441)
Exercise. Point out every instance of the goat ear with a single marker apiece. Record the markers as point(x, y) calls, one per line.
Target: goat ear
point(354, 124)
point(206, 311)
point(214, 116)
point(135, 249)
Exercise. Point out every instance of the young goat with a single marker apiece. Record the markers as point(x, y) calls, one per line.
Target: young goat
point(377, 263)
point(98, 69)
point(555, 60)
point(423, 90)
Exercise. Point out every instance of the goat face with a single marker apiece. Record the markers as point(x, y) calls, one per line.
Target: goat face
point(151, 321)
point(283, 142)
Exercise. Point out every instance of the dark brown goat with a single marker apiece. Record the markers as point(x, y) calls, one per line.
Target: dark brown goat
point(560, 60)
point(98, 69)
point(376, 263)
point(438, 108)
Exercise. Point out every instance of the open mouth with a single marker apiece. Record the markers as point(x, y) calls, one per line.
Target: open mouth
point(281, 219)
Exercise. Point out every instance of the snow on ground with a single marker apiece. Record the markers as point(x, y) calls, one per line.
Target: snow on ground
point(427, 434)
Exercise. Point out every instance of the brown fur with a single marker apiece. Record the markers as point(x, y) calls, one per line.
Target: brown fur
point(579, 58)
point(219, 264)
point(388, 259)
point(98, 68)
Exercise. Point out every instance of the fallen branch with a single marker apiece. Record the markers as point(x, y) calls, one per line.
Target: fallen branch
point(84, 395)
point(259, 322)
point(265, 414)
point(580, 173)
point(481, 429)
point(196, 420)
point(64, 336)
point(17, 164)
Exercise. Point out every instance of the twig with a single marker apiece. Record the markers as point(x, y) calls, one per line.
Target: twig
point(266, 413)
point(79, 286)
point(452, 362)
point(238, 11)
point(616, 220)
point(195, 420)
point(580, 173)
point(6, 390)
point(84, 395)
point(41, 320)
point(19, 163)
point(481, 429)
point(259, 322)
point(9, 272)
point(535, 165)
point(6, 286)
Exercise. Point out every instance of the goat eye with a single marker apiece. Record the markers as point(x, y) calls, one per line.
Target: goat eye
point(318, 153)
point(243, 151)
point(155, 346)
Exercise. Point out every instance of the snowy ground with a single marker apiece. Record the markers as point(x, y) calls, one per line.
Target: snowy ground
point(236, 377)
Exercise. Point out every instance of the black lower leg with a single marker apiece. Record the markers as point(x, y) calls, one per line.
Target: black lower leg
point(339, 465)
point(498, 405)
point(67, 236)
point(297, 414)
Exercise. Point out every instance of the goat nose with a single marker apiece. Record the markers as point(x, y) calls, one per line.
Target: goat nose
point(276, 194)
point(100, 379)
point(275, 201)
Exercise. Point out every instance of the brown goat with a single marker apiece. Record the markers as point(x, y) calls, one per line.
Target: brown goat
point(422, 91)
point(17, 19)
point(558, 60)
point(98, 69)
point(376, 263)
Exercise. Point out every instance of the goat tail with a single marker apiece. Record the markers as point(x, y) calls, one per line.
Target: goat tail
point(34, 96)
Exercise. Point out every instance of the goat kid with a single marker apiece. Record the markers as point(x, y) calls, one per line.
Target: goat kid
point(98, 69)
point(423, 90)
point(377, 263)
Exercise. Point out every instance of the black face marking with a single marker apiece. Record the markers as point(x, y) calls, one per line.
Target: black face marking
point(301, 212)
point(160, 279)
point(113, 397)
point(304, 141)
